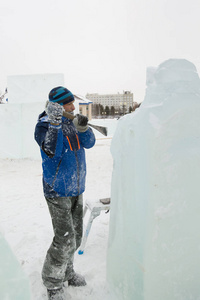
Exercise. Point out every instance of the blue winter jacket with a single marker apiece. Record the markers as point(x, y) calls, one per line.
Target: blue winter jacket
point(63, 156)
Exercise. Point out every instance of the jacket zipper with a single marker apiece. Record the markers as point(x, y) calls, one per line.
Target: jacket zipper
point(77, 163)
point(78, 171)
point(56, 173)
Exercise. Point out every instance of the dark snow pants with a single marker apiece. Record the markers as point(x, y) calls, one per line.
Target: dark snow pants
point(67, 219)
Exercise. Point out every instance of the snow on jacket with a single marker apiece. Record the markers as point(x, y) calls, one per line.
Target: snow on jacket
point(63, 156)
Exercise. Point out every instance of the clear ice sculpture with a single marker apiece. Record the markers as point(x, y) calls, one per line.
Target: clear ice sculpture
point(13, 282)
point(154, 239)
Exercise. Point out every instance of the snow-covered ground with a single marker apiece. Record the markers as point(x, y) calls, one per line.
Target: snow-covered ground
point(26, 224)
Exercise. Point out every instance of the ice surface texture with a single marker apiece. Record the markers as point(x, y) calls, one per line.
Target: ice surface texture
point(154, 240)
point(13, 282)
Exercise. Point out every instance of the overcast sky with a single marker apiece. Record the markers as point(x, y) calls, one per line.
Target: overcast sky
point(101, 46)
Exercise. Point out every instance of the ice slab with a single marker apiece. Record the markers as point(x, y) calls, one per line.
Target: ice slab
point(17, 130)
point(32, 88)
point(13, 282)
point(154, 241)
point(27, 96)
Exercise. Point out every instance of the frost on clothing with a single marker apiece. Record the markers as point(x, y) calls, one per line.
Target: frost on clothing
point(62, 148)
point(67, 216)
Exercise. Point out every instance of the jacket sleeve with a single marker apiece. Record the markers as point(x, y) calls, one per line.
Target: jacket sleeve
point(49, 138)
point(87, 138)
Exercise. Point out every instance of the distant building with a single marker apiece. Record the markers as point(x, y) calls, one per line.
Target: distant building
point(121, 102)
point(85, 106)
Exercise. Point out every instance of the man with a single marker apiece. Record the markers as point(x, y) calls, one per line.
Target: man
point(62, 144)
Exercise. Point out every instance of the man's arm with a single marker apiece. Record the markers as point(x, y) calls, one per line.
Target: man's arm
point(86, 135)
point(87, 138)
point(49, 138)
point(49, 134)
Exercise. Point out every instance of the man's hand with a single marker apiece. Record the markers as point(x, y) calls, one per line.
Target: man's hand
point(54, 112)
point(81, 123)
point(82, 120)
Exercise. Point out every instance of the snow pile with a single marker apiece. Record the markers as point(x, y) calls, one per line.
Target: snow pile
point(154, 241)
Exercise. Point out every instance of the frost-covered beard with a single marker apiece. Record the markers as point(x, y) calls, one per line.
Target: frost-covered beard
point(72, 113)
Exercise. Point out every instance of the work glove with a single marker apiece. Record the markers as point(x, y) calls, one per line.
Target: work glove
point(81, 123)
point(54, 112)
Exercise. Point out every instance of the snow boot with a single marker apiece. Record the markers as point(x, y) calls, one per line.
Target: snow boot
point(56, 294)
point(77, 280)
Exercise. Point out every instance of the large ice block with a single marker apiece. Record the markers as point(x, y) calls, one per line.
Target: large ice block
point(14, 284)
point(27, 96)
point(17, 130)
point(154, 240)
point(32, 88)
